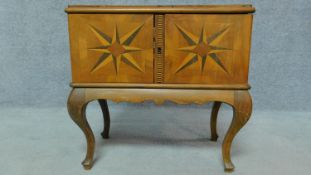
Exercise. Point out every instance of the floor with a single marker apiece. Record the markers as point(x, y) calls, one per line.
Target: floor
point(149, 139)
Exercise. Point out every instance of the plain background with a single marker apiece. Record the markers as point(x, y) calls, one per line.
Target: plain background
point(35, 62)
point(38, 137)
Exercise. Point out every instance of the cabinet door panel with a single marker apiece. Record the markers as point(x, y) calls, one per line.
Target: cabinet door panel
point(207, 48)
point(107, 48)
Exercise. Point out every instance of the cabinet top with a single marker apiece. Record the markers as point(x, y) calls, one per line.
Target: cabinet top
point(211, 9)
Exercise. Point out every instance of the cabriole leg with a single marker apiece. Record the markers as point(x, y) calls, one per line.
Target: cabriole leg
point(213, 122)
point(104, 107)
point(242, 108)
point(76, 108)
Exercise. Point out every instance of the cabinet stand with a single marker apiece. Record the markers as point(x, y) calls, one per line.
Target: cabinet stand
point(240, 100)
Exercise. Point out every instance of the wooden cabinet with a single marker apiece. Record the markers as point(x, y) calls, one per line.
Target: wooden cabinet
point(185, 54)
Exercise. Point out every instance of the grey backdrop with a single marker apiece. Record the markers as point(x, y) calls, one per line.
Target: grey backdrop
point(34, 54)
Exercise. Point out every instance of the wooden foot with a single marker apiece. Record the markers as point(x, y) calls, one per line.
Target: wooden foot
point(104, 106)
point(242, 107)
point(213, 121)
point(76, 107)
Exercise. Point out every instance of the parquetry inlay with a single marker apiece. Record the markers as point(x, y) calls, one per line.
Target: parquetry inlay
point(116, 49)
point(201, 48)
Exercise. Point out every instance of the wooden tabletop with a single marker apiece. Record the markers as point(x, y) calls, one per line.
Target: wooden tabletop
point(210, 9)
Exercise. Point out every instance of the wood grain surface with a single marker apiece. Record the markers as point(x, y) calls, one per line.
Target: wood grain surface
point(207, 49)
point(111, 48)
point(211, 9)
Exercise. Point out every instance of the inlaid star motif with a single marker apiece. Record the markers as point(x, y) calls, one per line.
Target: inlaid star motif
point(116, 49)
point(202, 48)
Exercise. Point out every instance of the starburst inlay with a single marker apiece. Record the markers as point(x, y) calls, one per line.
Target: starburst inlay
point(116, 49)
point(202, 48)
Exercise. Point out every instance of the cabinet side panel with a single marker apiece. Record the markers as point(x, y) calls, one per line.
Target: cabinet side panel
point(207, 48)
point(111, 48)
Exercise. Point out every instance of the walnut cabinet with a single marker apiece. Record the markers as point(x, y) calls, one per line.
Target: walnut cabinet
point(185, 54)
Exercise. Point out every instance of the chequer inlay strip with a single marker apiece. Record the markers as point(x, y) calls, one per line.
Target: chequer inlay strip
point(116, 49)
point(201, 48)
point(159, 50)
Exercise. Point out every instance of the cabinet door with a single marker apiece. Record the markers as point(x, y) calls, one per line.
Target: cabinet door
point(207, 48)
point(107, 48)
